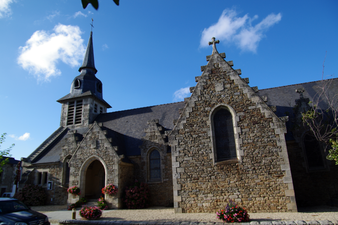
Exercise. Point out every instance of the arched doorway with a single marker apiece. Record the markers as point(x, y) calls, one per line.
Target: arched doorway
point(95, 180)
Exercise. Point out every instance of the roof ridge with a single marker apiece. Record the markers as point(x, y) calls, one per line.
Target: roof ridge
point(145, 107)
point(297, 84)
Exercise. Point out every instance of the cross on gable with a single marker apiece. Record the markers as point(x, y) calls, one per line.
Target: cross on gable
point(213, 43)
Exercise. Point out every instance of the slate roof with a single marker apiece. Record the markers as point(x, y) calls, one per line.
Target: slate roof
point(126, 128)
point(82, 95)
point(49, 151)
point(284, 97)
point(132, 123)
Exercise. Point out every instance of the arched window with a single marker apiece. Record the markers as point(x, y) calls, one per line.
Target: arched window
point(154, 166)
point(223, 132)
point(313, 152)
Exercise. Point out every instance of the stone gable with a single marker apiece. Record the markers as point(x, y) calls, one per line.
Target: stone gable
point(259, 178)
point(95, 146)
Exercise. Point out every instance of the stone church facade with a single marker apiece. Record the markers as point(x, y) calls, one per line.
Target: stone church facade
point(226, 141)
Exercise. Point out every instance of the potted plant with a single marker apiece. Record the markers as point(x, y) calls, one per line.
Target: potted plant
point(75, 190)
point(110, 189)
point(233, 213)
point(90, 212)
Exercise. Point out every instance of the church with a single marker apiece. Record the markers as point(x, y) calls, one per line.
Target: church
point(226, 141)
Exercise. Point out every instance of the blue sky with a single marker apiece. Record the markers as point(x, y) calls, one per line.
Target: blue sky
point(149, 52)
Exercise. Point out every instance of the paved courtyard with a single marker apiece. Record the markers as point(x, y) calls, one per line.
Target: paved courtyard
point(319, 215)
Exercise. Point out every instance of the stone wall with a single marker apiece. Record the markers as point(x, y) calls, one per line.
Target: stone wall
point(259, 179)
point(7, 177)
point(126, 178)
point(161, 191)
point(57, 195)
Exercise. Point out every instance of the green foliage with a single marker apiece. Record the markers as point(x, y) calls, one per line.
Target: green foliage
point(323, 124)
point(4, 153)
point(102, 204)
point(333, 152)
point(32, 195)
point(95, 3)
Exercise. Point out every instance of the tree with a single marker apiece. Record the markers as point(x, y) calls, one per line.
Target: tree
point(4, 153)
point(95, 3)
point(322, 117)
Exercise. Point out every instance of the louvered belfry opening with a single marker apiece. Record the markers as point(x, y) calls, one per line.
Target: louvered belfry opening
point(78, 112)
point(74, 112)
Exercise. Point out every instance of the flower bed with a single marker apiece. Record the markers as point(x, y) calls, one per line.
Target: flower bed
point(90, 212)
point(233, 213)
point(137, 196)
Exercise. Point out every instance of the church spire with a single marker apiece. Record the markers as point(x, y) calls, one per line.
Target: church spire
point(213, 43)
point(88, 61)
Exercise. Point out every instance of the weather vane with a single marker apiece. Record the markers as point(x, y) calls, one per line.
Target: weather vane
point(92, 25)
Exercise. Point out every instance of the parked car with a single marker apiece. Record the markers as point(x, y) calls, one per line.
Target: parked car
point(12, 212)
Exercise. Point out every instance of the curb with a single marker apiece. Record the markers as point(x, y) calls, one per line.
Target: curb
point(112, 222)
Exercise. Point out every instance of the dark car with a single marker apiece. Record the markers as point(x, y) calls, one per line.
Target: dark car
point(14, 212)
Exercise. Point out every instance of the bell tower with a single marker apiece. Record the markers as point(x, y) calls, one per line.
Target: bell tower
point(85, 100)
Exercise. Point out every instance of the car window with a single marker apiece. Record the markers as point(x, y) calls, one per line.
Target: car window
point(12, 206)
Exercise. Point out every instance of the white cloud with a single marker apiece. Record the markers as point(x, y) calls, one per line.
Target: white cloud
point(5, 10)
point(51, 16)
point(23, 137)
point(239, 30)
point(104, 47)
point(182, 93)
point(79, 13)
point(43, 51)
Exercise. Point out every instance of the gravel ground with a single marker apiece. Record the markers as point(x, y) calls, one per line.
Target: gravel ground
point(167, 214)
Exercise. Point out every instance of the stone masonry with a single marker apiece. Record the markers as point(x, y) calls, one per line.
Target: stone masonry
point(95, 146)
point(259, 179)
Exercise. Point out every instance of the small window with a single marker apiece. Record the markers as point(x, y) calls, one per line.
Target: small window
point(39, 178)
point(99, 87)
point(95, 108)
point(101, 110)
point(49, 185)
point(154, 166)
point(77, 84)
point(224, 139)
point(44, 178)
